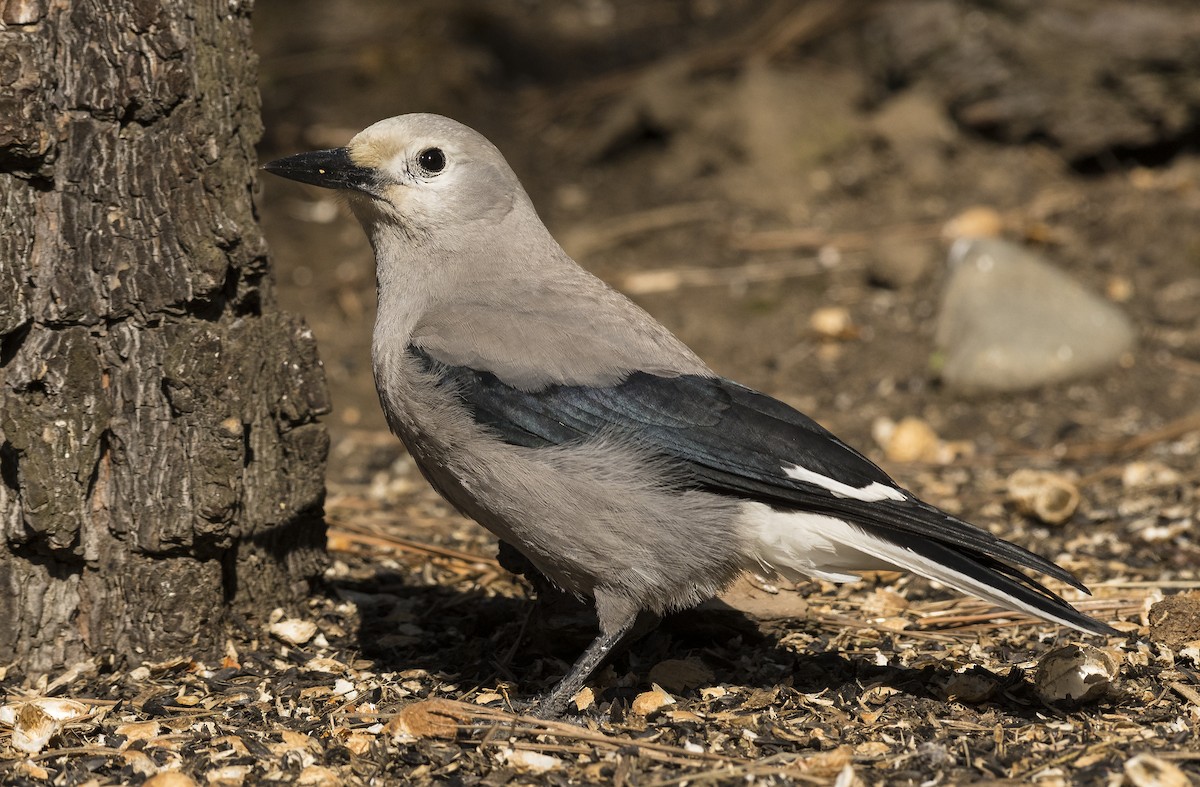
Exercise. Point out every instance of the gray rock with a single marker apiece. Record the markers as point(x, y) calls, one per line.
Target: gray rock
point(1010, 321)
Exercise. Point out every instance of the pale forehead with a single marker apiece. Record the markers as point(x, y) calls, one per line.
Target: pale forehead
point(380, 143)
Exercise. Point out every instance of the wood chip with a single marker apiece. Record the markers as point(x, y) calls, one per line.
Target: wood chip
point(427, 719)
point(170, 779)
point(650, 702)
point(1146, 770)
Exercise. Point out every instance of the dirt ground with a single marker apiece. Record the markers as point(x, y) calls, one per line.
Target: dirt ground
point(737, 166)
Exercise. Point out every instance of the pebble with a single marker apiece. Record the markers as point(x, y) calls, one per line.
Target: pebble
point(898, 263)
point(293, 631)
point(979, 221)
point(1010, 321)
point(910, 440)
point(833, 322)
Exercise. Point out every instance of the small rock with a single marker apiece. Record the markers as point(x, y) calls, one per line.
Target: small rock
point(293, 631)
point(1009, 321)
point(1175, 621)
point(833, 322)
point(910, 440)
point(1118, 289)
point(975, 222)
point(649, 702)
point(1048, 497)
point(898, 263)
point(1077, 673)
point(1146, 770)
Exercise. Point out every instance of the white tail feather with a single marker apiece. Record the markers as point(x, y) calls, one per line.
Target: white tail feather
point(800, 544)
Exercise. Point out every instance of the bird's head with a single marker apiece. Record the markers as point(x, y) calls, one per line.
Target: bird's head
point(419, 174)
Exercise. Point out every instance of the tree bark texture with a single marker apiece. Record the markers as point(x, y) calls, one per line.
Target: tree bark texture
point(160, 458)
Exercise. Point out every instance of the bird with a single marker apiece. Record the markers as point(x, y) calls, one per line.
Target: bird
point(561, 416)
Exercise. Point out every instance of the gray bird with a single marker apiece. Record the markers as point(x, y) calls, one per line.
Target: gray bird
point(566, 420)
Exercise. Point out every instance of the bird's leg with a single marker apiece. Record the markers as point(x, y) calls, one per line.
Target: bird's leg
point(555, 702)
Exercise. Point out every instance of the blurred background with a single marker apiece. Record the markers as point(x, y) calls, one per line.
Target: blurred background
point(782, 183)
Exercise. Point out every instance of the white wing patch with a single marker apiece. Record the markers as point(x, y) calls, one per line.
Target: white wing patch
point(800, 544)
point(873, 493)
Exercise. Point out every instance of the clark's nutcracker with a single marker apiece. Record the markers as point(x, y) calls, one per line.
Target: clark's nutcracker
point(566, 420)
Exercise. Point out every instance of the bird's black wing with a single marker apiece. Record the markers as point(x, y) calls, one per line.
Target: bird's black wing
point(729, 439)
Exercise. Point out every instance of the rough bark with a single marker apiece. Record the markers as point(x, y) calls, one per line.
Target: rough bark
point(160, 459)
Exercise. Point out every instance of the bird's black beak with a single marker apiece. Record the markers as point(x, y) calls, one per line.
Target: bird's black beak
point(330, 169)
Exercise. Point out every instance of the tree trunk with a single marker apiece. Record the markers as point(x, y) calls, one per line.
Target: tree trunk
point(160, 459)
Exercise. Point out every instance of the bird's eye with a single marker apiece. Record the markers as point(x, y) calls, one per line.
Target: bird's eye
point(432, 160)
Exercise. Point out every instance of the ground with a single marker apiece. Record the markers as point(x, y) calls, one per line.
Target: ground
point(738, 167)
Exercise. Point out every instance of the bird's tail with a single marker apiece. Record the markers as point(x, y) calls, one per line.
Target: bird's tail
point(921, 539)
point(980, 575)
